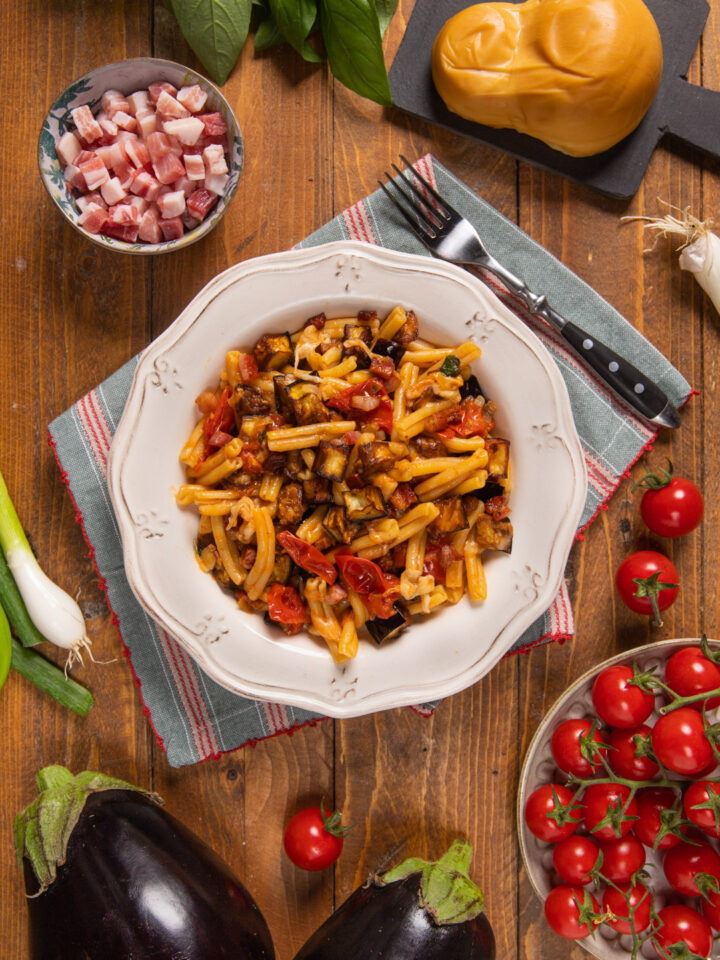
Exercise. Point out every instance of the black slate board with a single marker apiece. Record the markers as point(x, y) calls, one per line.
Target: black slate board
point(690, 113)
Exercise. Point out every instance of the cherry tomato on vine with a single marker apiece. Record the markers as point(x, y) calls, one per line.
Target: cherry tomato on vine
point(689, 672)
point(567, 910)
point(671, 506)
point(701, 804)
point(679, 742)
point(570, 749)
point(627, 754)
point(314, 838)
point(681, 925)
point(551, 814)
point(621, 901)
point(690, 868)
point(607, 814)
point(574, 858)
point(647, 583)
point(659, 816)
point(622, 857)
point(710, 906)
point(617, 701)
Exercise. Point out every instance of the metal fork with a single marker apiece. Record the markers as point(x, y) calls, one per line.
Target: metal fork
point(449, 236)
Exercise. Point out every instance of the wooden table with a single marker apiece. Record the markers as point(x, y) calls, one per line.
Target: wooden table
point(72, 313)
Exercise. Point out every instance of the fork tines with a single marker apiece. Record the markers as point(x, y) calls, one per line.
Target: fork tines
point(425, 218)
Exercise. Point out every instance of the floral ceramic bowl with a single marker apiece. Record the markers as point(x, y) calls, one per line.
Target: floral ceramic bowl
point(128, 76)
point(448, 651)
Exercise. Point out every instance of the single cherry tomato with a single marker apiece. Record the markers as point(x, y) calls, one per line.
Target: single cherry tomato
point(628, 753)
point(620, 901)
point(679, 742)
point(671, 506)
point(689, 672)
point(607, 814)
point(571, 750)
point(701, 804)
point(361, 575)
point(618, 701)
point(677, 924)
point(551, 812)
point(647, 583)
point(285, 606)
point(684, 864)
point(622, 857)
point(568, 911)
point(307, 556)
point(356, 400)
point(314, 838)
point(574, 858)
point(659, 817)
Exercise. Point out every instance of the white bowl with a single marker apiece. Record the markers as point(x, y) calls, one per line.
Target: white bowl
point(539, 768)
point(128, 76)
point(437, 656)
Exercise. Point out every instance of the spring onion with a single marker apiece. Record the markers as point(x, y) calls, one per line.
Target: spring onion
point(51, 679)
point(699, 247)
point(14, 606)
point(55, 614)
point(5, 647)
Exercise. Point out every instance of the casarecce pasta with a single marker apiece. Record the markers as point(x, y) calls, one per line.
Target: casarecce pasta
point(347, 478)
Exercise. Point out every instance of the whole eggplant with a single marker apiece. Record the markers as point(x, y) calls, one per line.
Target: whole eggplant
point(111, 876)
point(419, 910)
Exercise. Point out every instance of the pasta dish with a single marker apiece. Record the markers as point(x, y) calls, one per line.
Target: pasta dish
point(347, 478)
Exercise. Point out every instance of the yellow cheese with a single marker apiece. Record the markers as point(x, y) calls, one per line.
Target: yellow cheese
point(577, 74)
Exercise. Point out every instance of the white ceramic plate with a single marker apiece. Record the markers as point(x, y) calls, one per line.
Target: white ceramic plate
point(539, 767)
point(439, 655)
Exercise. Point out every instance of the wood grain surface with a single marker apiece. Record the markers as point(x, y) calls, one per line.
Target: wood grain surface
point(70, 314)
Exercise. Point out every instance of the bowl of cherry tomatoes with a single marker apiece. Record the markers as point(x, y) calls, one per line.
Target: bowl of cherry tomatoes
point(619, 805)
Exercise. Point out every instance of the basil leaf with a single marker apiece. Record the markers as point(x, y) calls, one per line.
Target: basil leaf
point(451, 366)
point(216, 30)
point(267, 35)
point(351, 31)
point(295, 19)
point(385, 10)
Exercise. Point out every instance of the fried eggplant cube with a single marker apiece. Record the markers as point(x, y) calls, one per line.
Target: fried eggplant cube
point(290, 505)
point(364, 504)
point(282, 401)
point(498, 458)
point(380, 455)
point(451, 517)
point(354, 336)
point(391, 627)
point(273, 351)
point(247, 402)
point(317, 491)
point(331, 460)
point(338, 526)
point(494, 534)
point(305, 403)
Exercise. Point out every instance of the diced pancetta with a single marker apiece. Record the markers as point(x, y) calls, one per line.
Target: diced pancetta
point(93, 218)
point(169, 168)
point(138, 101)
point(217, 183)
point(200, 203)
point(214, 124)
point(171, 204)
point(137, 153)
point(155, 89)
point(95, 173)
point(194, 166)
point(86, 124)
point(112, 191)
point(188, 130)
point(150, 231)
point(74, 178)
point(146, 122)
point(172, 228)
point(148, 164)
point(124, 120)
point(169, 107)
point(67, 148)
point(192, 98)
point(145, 185)
point(214, 157)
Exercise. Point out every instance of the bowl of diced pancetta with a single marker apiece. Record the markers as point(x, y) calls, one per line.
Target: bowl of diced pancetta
point(142, 156)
